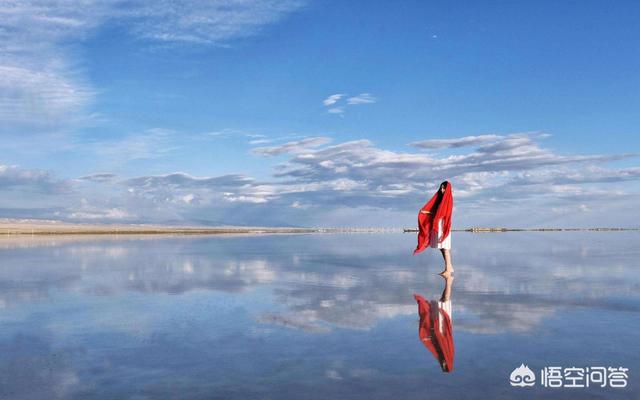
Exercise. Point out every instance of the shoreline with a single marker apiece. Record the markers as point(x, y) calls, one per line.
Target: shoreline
point(17, 230)
point(47, 228)
point(498, 230)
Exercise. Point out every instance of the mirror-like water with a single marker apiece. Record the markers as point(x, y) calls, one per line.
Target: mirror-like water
point(314, 316)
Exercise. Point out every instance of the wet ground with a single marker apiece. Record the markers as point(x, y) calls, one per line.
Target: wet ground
point(316, 316)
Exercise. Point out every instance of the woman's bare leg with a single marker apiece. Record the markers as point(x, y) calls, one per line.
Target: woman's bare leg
point(448, 267)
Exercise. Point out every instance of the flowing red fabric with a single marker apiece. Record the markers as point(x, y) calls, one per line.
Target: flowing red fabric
point(439, 344)
point(426, 222)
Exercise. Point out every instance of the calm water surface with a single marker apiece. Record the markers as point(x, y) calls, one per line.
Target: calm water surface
point(312, 316)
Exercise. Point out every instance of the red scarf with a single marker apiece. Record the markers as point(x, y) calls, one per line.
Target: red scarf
point(426, 222)
point(439, 344)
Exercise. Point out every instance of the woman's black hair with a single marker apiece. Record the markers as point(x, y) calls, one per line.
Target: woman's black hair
point(440, 195)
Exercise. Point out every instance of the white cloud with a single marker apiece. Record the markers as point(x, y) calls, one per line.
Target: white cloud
point(100, 214)
point(208, 22)
point(38, 181)
point(41, 97)
point(333, 99)
point(188, 198)
point(43, 83)
point(32, 193)
point(100, 177)
point(355, 183)
point(362, 98)
point(292, 147)
point(336, 106)
point(245, 199)
point(259, 141)
point(457, 142)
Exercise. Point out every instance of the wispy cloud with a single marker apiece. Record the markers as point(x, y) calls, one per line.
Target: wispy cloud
point(362, 98)
point(331, 100)
point(37, 181)
point(361, 160)
point(292, 147)
point(321, 183)
point(455, 143)
point(44, 84)
point(180, 188)
point(213, 22)
point(33, 193)
point(183, 180)
point(337, 103)
point(86, 211)
point(104, 177)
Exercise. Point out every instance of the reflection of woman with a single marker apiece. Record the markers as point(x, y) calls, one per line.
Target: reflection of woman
point(434, 222)
point(436, 326)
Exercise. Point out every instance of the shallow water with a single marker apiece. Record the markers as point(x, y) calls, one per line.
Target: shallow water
point(312, 316)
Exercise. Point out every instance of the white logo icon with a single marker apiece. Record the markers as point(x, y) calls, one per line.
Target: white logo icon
point(522, 376)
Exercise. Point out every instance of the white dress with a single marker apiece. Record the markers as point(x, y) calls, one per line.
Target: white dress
point(436, 233)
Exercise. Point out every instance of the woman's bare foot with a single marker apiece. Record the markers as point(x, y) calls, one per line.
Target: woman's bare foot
point(448, 270)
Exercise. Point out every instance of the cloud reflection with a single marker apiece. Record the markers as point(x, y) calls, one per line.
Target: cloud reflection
point(320, 282)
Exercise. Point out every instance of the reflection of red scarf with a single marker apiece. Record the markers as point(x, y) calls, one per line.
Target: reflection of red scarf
point(440, 344)
point(426, 222)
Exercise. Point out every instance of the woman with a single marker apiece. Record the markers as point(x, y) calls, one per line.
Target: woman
point(434, 222)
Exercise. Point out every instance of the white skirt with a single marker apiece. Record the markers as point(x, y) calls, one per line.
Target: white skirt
point(436, 244)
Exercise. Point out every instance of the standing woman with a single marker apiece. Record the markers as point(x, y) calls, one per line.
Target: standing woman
point(434, 221)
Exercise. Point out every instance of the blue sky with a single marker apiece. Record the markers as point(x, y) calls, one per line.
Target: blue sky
point(323, 113)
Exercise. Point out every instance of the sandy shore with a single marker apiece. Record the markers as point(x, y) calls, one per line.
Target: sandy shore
point(10, 227)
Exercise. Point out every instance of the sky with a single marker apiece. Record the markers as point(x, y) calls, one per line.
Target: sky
point(320, 113)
